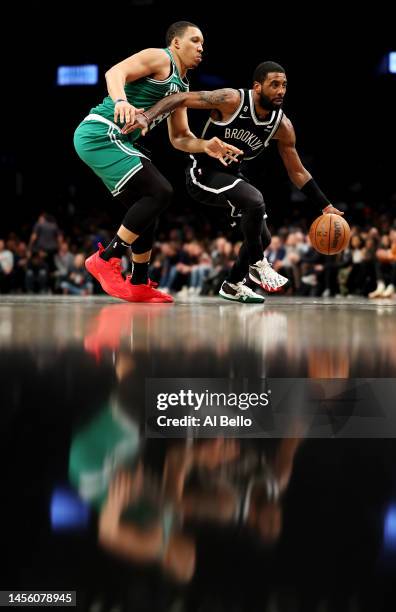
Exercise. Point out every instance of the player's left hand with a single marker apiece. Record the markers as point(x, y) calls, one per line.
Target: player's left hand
point(140, 122)
point(222, 151)
point(330, 209)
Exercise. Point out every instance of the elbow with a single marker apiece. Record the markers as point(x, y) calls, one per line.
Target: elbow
point(177, 142)
point(111, 72)
point(173, 141)
point(181, 138)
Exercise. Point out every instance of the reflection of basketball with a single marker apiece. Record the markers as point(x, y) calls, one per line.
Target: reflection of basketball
point(329, 234)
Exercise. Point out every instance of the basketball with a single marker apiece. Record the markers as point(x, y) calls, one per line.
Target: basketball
point(329, 234)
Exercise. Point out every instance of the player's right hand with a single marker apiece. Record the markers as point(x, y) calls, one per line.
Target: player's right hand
point(125, 112)
point(222, 151)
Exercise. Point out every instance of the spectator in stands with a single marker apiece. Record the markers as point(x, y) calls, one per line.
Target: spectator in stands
point(78, 280)
point(21, 258)
point(6, 267)
point(46, 237)
point(386, 267)
point(37, 273)
point(63, 264)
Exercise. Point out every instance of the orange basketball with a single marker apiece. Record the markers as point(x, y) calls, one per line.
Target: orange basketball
point(329, 234)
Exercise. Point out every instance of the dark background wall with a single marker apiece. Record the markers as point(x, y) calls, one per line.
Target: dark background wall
point(341, 105)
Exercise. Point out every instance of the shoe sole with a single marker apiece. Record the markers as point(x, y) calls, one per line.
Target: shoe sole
point(225, 296)
point(152, 300)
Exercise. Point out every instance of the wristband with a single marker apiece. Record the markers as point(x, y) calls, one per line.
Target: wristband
point(313, 193)
point(144, 114)
point(120, 100)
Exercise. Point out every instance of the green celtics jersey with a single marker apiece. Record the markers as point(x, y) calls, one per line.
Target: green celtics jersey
point(145, 92)
point(109, 441)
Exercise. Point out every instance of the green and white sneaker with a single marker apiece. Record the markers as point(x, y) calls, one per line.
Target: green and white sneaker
point(240, 293)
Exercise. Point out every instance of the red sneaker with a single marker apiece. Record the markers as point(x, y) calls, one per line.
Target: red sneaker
point(146, 293)
point(116, 324)
point(108, 274)
point(151, 283)
point(107, 328)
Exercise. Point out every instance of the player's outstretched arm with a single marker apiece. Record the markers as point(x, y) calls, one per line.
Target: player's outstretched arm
point(224, 100)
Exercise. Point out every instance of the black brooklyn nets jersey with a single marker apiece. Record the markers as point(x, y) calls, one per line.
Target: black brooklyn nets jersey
point(243, 130)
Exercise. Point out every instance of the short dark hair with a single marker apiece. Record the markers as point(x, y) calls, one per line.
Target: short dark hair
point(260, 74)
point(177, 29)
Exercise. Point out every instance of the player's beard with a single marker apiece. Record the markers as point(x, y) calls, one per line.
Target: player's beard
point(266, 103)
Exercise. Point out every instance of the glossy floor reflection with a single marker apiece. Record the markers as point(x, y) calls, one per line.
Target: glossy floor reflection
point(192, 524)
point(301, 337)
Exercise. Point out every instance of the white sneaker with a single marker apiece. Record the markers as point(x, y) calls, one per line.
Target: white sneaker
point(240, 292)
point(310, 279)
point(263, 274)
point(389, 291)
point(183, 293)
point(378, 291)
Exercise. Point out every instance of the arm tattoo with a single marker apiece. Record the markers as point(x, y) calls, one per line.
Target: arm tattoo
point(199, 99)
point(219, 96)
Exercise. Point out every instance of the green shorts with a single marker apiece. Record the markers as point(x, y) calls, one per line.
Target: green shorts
point(109, 153)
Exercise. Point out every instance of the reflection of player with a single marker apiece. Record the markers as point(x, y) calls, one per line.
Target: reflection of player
point(140, 521)
point(161, 538)
point(247, 492)
point(139, 507)
point(114, 325)
point(138, 517)
point(248, 119)
point(137, 510)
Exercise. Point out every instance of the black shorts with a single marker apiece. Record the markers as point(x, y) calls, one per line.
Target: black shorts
point(215, 188)
point(209, 186)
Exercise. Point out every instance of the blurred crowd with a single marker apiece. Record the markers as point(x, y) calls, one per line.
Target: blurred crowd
point(51, 260)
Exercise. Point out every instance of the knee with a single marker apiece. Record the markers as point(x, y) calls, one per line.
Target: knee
point(253, 208)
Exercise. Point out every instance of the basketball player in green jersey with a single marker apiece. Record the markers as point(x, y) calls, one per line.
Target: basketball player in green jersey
point(249, 119)
point(134, 84)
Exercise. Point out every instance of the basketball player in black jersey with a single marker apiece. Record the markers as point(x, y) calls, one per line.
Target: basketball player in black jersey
point(247, 119)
